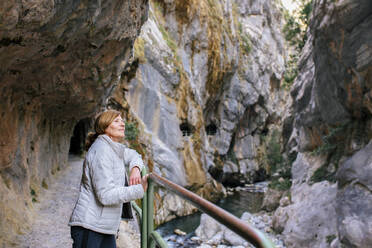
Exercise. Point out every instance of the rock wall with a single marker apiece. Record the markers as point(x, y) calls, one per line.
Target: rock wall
point(204, 91)
point(331, 131)
point(59, 61)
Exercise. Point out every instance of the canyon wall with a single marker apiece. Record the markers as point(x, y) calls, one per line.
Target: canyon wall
point(331, 197)
point(205, 93)
point(59, 61)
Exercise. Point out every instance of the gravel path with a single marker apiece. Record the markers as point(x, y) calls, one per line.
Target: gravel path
point(53, 210)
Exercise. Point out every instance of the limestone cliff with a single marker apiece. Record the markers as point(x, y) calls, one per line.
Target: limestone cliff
point(205, 92)
point(331, 131)
point(59, 61)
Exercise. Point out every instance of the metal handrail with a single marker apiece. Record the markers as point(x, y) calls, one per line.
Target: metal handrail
point(149, 237)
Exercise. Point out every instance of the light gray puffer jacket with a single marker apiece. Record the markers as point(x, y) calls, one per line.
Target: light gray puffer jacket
point(102, 188)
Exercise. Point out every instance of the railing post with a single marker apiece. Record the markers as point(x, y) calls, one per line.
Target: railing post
point(150, 213)
point(144, 235)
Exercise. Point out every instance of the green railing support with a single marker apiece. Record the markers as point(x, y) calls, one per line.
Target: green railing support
point(144, 236)
point(137, 209)
point(150, 212)
point(158, 239)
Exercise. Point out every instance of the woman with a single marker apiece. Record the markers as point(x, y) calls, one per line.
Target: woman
point(96, 217)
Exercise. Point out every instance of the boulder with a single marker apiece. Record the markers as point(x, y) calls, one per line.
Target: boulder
point(311, 218)
point(208, 228)
point(271, 199)
point(172, 206)
point(354, 199)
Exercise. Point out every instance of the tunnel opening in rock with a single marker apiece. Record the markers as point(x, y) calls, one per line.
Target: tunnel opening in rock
point(77, 142)
point(211, 129)
point(186, 129)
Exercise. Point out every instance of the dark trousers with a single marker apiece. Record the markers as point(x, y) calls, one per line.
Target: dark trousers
point(85, 238)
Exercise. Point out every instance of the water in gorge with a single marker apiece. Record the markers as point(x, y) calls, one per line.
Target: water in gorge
point(237, 203)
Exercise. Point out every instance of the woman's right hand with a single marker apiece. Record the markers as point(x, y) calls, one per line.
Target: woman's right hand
point(144, 182)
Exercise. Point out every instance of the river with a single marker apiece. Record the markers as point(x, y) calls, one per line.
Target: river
point(237, 203)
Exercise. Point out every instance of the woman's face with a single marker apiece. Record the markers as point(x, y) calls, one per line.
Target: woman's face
point(116, 129)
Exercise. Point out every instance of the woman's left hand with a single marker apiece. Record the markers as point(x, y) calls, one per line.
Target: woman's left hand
point(135, 176)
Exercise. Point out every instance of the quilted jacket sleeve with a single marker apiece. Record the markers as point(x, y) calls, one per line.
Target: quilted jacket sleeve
point(102, 175)
point(132, 158)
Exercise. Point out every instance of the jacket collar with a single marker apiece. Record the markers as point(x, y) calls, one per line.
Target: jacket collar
point(116, 147)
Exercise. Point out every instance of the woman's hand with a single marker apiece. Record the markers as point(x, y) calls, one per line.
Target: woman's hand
point(135, 176)
point(144, 182)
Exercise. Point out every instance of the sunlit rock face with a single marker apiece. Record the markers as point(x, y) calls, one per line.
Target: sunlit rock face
point(59, 60)
point(331, 129)
point(205, 89)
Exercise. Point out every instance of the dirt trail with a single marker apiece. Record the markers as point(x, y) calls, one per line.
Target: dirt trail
point(53, 210)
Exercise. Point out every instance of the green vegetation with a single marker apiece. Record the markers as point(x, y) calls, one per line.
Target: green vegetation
point(131, 131)
point(327, 147)
point(33, 195)
point(279, 167)
point(330, 238)
point(246, 44)
point(55, 169)
point(244, 40)
point(273, 155)
point(44, 184)
point(131, 135)
point(296, 25)
point(295, 33)
point(291, 71)
point(231, 156)
point(170, 42)
point(159, 16)
point(158, 9)
point(32, 192)
point(333, 146)
point(322, 174)
point(282, 185)
point(331, 141)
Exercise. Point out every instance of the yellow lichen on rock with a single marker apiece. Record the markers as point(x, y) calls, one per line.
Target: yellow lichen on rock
point(193, 168)
point(139, 50)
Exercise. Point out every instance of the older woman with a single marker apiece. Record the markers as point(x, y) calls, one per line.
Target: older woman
point(96, 217)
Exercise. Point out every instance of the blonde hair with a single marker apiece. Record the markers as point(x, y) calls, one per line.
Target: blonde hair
point(103, 120)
